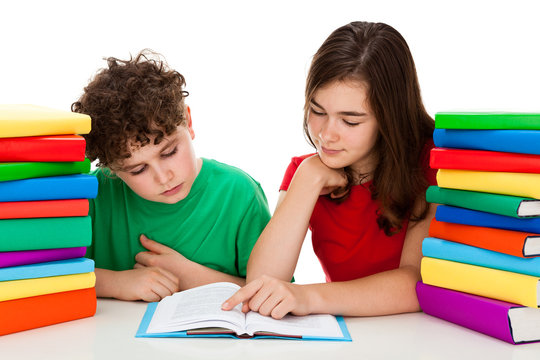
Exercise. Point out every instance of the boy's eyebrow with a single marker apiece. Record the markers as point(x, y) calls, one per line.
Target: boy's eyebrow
point(345, 113)
point(166, 144)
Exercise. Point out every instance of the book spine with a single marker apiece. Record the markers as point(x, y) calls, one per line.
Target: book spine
point(514, 184)
point(80, 186)
point(43, 148)
point(17, 289)
point(16, 258)
point(461, 253)
point(444, 120)
point(44, 208)
point(509, 141)
point(34, 312)
point(477, 313)
point(503, 241)
point(46, 233)
point(496, 284)
point(47, 269)
point(492, 203)
point(27, 170)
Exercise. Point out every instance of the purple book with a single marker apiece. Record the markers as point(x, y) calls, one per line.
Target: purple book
point(509, 322)
point(15, 258)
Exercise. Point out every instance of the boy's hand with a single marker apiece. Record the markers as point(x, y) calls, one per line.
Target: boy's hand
point(160, 256)
point(144, 283)
point(270, 297)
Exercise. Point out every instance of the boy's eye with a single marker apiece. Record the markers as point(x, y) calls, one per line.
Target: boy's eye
point(171, 153)
point(137, 172)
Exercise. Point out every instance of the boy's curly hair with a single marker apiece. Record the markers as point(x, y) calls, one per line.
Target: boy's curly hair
point(129, 102)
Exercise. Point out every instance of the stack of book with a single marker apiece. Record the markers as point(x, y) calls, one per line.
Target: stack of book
point(44, 222)
point(481, 267)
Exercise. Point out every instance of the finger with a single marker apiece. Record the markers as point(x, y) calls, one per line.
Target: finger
point(171, 280)
point(138, 266)
point(281, 309)
point(242, 295)
point(153, 246)
point(144, 258)
point(267, 307)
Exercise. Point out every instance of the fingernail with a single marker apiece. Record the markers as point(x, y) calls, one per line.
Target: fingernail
point(225, 306)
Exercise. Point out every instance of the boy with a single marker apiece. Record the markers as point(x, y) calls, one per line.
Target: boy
point(203, 216)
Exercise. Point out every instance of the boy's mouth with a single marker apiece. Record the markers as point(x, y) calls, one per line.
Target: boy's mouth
point(172, 191)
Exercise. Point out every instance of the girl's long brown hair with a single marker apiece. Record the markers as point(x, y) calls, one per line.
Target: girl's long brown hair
point(376, 54)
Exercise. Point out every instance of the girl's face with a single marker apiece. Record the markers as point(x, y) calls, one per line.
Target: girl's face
point(164, 172)
point(342, 126)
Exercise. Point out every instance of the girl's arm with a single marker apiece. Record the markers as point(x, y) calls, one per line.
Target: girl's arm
point(278, 247)
point(388, 292)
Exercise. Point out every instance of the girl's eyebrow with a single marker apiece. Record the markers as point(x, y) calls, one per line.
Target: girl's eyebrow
point(343, 113)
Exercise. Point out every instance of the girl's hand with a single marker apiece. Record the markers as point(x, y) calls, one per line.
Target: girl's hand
point(330, 180)
point(270, 297)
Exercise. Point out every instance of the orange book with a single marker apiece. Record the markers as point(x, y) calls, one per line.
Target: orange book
point(43, 208)
point(516, 243)
point(37, 311)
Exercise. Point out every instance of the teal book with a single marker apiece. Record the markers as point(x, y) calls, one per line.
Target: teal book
point(47, 269)
point(507, 205)
point(78, 186)
point(197, 313)
point(27, 170)
point(45, 233)
point(487, 120)
point(453, 251)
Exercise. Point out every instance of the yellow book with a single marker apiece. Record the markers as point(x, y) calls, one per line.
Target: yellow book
point(32, 120)
point(16, 289)
point(506, 183)
point(492, 283)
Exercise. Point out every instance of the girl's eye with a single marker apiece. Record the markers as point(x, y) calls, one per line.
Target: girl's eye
point(348, 123)
point(315, 112)
point(174, 151)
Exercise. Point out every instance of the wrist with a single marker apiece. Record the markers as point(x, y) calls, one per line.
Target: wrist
point(314, 299)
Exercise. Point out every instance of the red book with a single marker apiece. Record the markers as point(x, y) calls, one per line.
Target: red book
point(43, 148)
point(43, 208)
point(37, 311)
point(443, 158)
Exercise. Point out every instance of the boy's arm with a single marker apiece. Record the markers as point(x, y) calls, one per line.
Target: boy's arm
point(189, 274)
point(148, 284)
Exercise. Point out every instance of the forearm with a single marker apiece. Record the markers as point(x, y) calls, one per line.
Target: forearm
point(106, 285)
point(277, 250)
point(192, 274)
point(389, 292)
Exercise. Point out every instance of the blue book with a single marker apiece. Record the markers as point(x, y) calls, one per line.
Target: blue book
point(514, 141)
point(47, 269)
point(448, 250)
point(464, 216)
point(197, 313)
point(80, 186)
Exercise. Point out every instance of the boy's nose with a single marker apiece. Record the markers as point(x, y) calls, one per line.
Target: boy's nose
point(163, 175)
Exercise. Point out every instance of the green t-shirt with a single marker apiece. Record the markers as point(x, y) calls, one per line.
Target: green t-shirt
point(216, 225)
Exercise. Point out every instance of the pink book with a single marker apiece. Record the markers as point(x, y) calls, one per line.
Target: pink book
point(15, 258)
point(509, 322)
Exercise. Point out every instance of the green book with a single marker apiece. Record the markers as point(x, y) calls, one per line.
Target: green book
point(507, 205)
point(27, 170)
point(487, 120)
point(45, 233)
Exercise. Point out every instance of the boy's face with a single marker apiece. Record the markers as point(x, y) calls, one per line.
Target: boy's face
point(164, 172)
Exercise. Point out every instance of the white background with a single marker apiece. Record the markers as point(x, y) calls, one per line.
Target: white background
point(245, 62)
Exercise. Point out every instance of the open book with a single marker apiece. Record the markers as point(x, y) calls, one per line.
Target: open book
point(197, 313)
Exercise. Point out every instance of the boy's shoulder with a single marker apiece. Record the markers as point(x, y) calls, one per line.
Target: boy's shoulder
point(226, 171)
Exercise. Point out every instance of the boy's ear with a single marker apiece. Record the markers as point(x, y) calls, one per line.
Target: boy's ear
point(189, 124)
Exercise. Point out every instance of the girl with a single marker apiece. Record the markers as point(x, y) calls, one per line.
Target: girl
point(361, 194)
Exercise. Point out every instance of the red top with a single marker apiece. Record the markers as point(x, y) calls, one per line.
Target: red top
point(346, 237)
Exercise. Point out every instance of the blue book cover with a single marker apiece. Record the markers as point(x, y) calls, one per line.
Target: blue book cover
point(515, 141)
point(448, 250)
point(151, 308)
point(80, 186)
point(464, 216)
point(47, 269)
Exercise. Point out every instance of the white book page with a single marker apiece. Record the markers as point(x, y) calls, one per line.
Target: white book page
point(197, 308)
point(310, 325)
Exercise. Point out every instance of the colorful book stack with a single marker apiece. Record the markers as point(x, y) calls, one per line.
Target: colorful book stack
point(481, 264)
point(44, 222)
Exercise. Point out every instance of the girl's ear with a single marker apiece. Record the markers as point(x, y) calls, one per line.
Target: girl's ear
point(189, 123)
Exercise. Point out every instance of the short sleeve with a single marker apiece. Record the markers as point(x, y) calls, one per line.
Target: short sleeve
point(291, 169)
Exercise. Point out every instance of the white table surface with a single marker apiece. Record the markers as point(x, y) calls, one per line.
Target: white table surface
point(110, 334)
